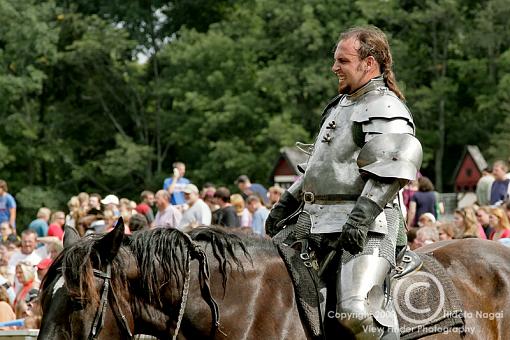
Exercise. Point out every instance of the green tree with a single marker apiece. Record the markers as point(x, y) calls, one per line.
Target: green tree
point(253, 83)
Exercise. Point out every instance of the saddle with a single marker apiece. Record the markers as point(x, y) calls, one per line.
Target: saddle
point(407, 262)
point(410, 271)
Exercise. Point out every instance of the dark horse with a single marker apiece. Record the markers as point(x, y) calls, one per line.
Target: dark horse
point(157, 282)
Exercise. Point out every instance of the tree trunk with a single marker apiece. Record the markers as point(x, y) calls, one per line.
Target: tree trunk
point(438, 162)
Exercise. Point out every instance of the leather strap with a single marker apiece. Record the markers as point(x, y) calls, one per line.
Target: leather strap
point(311, 198)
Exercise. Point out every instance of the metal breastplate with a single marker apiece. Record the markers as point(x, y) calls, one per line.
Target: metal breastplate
point(332, 167)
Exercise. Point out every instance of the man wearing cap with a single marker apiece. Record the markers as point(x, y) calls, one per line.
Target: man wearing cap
point(111, 202)
point(167, 216)
point(198, 212)
point(248, 188)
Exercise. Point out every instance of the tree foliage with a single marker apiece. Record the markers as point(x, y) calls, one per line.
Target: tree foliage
point(225, 85)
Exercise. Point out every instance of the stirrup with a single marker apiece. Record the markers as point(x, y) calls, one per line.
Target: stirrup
point(407, 262)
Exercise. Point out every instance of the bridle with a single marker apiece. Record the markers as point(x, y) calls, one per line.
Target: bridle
point(98, 323)
point(196, 253)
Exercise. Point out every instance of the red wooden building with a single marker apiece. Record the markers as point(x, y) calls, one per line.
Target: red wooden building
point(469, 169)
point(285, 171)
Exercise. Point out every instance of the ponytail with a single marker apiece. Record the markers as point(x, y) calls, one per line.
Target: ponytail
point(390, 81)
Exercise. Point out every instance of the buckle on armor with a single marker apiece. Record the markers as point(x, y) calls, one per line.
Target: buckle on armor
point(308, 197)
point(304, 256)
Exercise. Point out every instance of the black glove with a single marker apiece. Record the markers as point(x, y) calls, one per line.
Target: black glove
point(354, 231)
point(287, 205)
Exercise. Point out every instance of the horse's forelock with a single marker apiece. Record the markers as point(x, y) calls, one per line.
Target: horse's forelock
point(78, 270)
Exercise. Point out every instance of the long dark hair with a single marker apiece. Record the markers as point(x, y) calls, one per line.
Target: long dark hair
point(373, 42)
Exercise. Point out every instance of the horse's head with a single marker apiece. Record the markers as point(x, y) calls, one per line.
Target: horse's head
point(85, 295)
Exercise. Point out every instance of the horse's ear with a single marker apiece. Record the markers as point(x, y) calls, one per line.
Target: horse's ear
point(71, 236)
point(108, 246)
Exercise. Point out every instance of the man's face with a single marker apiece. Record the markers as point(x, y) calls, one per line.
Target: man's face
point(243, 186)
point(60, 219)
point(252, 206)
point(94, 202)
point(190, 198)
point(150, 200)
point(424, 221)
point(161, 202)
point(182, 170)
point(499, 173)
point(28, 243)
point(350, 70)
point(274, 196)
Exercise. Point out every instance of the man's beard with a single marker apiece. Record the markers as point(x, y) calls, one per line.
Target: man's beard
point(343, 89)
point(347, 89)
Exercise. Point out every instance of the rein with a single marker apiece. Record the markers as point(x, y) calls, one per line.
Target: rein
point(98, 323)
point(185, 292)
point(205, 289)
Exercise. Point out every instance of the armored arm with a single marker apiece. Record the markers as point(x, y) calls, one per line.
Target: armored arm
point(289, 202)
point(387, 162)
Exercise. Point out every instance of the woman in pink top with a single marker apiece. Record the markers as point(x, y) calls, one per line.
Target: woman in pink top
point(499, 221)
point(467, 225)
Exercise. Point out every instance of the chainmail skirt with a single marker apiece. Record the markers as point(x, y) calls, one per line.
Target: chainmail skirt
point(378, 244)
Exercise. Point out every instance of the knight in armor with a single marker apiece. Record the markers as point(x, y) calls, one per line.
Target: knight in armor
point(347, 198)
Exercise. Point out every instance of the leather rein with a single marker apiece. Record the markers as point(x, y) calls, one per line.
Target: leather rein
point(98, 323)
point(205, 290)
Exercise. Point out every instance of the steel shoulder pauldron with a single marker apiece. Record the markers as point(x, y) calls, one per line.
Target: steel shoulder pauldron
point(391, 155)
point(381, 111)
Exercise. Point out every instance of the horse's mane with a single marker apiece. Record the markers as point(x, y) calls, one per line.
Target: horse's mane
point(224, 245)
point(162, 256)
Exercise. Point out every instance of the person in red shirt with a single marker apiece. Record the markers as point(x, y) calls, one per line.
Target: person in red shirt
point(145, 207)
point(499, 221)
point(56, 227)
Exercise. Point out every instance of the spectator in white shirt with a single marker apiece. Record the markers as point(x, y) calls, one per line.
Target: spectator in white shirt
point(168, 216)
point(27, 253)
point(198, 212)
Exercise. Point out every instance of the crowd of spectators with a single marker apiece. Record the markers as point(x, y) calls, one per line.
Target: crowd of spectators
point(488, 218)
point(26, 256)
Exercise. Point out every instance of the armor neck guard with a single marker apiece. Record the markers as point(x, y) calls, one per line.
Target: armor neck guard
point(373, 84)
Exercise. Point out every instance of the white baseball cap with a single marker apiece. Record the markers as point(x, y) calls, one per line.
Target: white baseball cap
point(110, 199)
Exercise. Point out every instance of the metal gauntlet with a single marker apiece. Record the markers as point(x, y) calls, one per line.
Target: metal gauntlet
point(354, 232)
point(287, 205)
